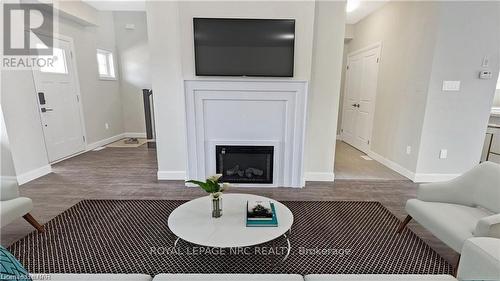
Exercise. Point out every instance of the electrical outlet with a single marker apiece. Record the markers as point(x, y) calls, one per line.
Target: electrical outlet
point(451, 86)
point(443, 154)
point(408, 150)
point(106, 125)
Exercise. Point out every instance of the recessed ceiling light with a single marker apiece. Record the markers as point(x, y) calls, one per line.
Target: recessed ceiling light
point(352, 5)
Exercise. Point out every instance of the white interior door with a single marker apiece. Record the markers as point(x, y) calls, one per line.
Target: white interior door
point(359, 100)
point(59, 103)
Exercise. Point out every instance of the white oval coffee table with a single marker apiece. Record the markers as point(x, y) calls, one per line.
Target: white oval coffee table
point(193, 222)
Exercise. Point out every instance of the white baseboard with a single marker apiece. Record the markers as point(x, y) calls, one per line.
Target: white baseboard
point(415, 177)
point(315, 176)
point(392, 165)
point(339, 137)
point(421, 177)
point(42, 171)
point(112, 139)
point(103, 142)
point(171, 175)
point(134, 135)
point(34, 174)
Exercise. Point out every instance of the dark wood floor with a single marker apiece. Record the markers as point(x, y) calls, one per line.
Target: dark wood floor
point(130, 173)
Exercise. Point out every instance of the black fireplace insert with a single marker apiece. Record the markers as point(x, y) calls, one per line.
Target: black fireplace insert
point(245, 164)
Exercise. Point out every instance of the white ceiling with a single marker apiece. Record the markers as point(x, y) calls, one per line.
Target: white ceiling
point(365, 8)
point(117, 5)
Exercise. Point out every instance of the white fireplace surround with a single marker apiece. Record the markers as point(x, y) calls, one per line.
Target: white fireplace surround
point(247, 112)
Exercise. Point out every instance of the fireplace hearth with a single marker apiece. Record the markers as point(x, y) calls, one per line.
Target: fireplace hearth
point(245, 164)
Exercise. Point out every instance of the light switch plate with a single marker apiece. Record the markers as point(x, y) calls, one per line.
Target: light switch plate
point(451, 86)
point(443, 154)
point(408, 150)
point(486, 61)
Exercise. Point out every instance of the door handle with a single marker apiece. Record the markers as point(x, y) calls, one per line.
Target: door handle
point(44, 109)
point(354, 105)
point(357, 105)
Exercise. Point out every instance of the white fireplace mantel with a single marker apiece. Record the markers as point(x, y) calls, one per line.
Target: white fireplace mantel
point(247, 112)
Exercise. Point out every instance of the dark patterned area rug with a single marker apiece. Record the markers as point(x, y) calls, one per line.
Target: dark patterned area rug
point(131, 236)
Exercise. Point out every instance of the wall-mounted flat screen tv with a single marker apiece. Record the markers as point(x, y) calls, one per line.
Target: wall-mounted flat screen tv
point(244, 47)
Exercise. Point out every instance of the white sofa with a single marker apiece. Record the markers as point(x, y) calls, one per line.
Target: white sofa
point(377, 277)
point(90, 277)
point(240, 277)
point(228, 277)
point(12, 206)
point(480, 261)
point(467, 206)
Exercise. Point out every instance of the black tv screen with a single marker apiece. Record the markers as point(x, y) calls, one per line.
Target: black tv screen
point(244, 47)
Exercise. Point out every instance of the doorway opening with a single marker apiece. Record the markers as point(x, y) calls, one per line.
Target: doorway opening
point(352, 160)
point(491, 147)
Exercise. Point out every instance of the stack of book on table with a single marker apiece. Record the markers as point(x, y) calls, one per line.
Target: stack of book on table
point(261, 214)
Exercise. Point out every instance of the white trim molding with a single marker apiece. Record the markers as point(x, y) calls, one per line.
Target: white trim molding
point(259, 112)
point(171, 175)
point(317, 176)
point(134, 135)
point(103, 142)
point(34, 174)
point(112, 139)
point(415, 177)
point(392, 165)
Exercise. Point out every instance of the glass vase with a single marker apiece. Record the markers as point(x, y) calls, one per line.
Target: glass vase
point(216, 205)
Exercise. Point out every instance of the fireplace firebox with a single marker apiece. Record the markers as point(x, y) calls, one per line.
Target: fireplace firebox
point(245, 164)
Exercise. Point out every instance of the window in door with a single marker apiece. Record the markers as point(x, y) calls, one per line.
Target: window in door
point(105, 64)
point(56, 63)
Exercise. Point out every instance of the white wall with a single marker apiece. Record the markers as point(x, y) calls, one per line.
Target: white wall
point(6, 164)
point(171, 43)
point(301, 11)
point(323, 104)
point(170, 35)
point(457, 121)
point(22, 121)
point(132, 53)
point(166, 76)
point(100, 98)
point(342, 84)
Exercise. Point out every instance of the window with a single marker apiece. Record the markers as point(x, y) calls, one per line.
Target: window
point(105, 65)
point(56, 63)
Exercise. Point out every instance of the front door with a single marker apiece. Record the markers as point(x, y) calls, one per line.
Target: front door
point(59, 103)
point(359, 100)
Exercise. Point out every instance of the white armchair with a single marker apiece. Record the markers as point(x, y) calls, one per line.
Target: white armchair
point(12, 206)
point(467, 206)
